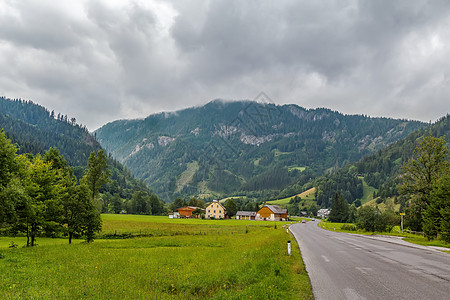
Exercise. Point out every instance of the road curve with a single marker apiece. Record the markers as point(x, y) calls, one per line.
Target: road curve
point(348, 266)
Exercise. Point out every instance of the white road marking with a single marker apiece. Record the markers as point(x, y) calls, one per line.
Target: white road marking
point(351, 294)
point(325, 258)
point(363, 269)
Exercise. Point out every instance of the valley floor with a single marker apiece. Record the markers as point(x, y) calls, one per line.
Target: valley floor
point(174, 259)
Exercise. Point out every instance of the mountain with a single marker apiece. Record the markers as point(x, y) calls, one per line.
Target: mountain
point(243, 147)
point(35, 129)
point(379, 170)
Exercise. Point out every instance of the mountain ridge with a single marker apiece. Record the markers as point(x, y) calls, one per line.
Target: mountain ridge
point(243, 143)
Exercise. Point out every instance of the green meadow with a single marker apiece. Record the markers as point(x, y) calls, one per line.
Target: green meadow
point(171, 259)
point(307, 196)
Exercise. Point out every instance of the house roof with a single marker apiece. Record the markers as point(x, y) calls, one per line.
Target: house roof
point(246, 213)
point(276, 209)
point(190, 208)
point(217, 202)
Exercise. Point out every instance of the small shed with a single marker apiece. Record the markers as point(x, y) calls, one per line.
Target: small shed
point(245, 215)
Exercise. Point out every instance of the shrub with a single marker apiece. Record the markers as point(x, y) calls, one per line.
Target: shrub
point(349, 227)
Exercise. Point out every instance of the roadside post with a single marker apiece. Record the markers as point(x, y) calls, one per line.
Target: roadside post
point(289, 248)
point(401, 223)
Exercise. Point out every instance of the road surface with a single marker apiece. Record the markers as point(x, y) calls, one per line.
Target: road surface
point(347, 266)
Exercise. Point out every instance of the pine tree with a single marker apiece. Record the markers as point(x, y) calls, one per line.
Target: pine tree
point(339, 209)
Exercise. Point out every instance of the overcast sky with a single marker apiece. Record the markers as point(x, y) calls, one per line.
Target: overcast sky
point(99, 61)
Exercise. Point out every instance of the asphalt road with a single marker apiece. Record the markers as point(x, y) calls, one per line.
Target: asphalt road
point(347, 266)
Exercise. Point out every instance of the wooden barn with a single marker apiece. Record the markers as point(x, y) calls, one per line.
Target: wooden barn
point(186, 212)
point(245, 215)
point(271, 213)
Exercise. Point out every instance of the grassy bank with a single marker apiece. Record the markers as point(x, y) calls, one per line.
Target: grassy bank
point(396, 231)
point(181, 259)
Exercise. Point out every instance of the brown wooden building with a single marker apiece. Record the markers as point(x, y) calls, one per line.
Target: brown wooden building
point(186, 212)
point(271, 213)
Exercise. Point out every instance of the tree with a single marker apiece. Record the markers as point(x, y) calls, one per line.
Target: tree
point(339, 209)
point(57, 161)
point(42, 211)
point(367, 216)
point(293, 209)
point(7, 163)
point(196, 212)
point(140, 203)
point(177, 203)
point(231, 207)
point(422, 171)
point(8, 169)
point(196, 202)
point(88, 221)
point(157, 206)
point(436, 217)
point(97, 173)
point(313, 209)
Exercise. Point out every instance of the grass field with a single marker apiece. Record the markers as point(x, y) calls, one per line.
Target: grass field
point(308, 195)
point(180, 259)
point(396, 231)
point(367, 191)
point(383, 205)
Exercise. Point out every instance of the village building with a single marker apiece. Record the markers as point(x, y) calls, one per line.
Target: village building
point(174, 215)
point(186, 212)
point(245, 215)
point(271, 213)
point(215, 210)
point(323, 213)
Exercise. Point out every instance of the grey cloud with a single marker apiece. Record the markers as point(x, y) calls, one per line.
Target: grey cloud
point(100, 62)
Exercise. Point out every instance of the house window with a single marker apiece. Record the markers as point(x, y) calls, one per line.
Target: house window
point(220, 211)
point(214, 211)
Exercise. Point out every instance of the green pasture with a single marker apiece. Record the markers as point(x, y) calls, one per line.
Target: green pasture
point(307, 196)
point(367, 191)
point(182, 259)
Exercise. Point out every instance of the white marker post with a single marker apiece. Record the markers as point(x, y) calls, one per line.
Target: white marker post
point(289, 248)
point(402, 214)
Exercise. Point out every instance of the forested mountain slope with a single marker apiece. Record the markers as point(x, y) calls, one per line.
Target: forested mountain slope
point(226, 148)
point(380, 170)
point(35, 129)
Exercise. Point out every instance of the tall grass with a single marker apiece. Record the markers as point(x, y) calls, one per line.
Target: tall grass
point(206, 259)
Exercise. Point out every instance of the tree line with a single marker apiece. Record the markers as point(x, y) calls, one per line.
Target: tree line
point(40, 196)
point(424, 183)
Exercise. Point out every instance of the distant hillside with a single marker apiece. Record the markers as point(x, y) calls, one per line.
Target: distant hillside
point(379, 170)
point(35, 129)
point(244, 148)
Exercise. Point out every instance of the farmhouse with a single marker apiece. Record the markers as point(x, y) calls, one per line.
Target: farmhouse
point(271, 213)
point(186, 212)
point(323, 213)
point(245, 215)
point(215, 210)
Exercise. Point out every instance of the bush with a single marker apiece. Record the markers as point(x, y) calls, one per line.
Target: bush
point(372, 219)
point(349, 227)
